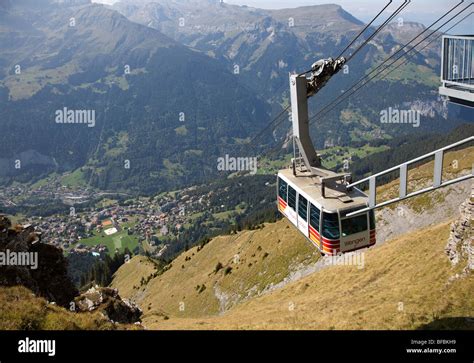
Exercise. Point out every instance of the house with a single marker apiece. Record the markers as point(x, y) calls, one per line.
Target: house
point(107, 223)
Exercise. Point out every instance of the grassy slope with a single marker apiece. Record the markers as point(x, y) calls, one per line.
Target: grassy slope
point(409, 272)
point(264, 257)
point(131, 273)
point(21, 310)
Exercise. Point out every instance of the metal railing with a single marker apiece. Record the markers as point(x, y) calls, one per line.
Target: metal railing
point(403, 172)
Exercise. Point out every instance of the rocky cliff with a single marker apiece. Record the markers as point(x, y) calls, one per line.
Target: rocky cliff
point(460, 247)
point(26, 262)
point(40, 267)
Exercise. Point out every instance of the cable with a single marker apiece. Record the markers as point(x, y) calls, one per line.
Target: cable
point(358, 35)
point(363, 30)
point(426, 45)
point(389, 19)
point(272, 151)
point(334, 103)
point(261, 133)
point(339, 99)
point(355, 90)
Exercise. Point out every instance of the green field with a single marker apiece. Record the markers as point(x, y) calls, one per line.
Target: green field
point(74, 179)
point(119, 240)
point(336, 155)
point(330, 157)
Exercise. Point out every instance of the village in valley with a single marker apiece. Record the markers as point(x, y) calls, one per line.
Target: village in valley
point(143, 225)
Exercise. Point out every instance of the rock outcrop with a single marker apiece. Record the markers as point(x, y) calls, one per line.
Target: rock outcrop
point(109, 302)
point(40, 267)
point(460, 246)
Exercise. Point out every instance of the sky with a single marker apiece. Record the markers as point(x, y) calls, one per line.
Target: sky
point(422, 11)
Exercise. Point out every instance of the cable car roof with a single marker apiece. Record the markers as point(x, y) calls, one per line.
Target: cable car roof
point(335, 192)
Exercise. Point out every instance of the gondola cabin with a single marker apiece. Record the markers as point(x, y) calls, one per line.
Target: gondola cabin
point(321, 220)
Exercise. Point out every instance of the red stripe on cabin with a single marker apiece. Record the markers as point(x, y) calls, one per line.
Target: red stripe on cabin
point(314, 237)
point(315, 240)
point(330, 240)
point(331, 251)
point(372, 237)
point(331, 245)
point(311, 229)
point(282, 202)
point(311, 233)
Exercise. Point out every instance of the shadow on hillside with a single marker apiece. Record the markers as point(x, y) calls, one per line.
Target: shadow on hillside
point(457, 323)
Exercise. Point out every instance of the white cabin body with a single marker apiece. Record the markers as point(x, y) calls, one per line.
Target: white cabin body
point(322, 220)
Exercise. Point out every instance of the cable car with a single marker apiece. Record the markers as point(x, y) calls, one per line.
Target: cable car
point(322, 220)
point(316, 200)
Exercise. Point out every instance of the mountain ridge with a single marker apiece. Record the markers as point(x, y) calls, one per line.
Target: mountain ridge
point(140, 82)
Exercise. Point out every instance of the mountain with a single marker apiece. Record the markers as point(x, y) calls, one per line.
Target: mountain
point(418, 276)
point(153, 100)
point(266, 45)
point(156, 91)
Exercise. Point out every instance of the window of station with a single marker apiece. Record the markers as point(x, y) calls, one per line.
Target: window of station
point(331, 225)
point(291, 198)
point(354, 225)
point(303, 207)
point(282, 189)
point(314, 214)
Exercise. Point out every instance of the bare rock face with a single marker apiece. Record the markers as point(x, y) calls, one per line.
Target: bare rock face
point(42, 268)
point(460, 246)
point(109, 302)
point(25, 261)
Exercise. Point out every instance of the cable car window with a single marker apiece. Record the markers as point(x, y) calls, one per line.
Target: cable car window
point(331, 225)
point(354, 225)
point(291, 197)
point(372, 219)
point(314, 214)
point(282, 187)
point(303, 207)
